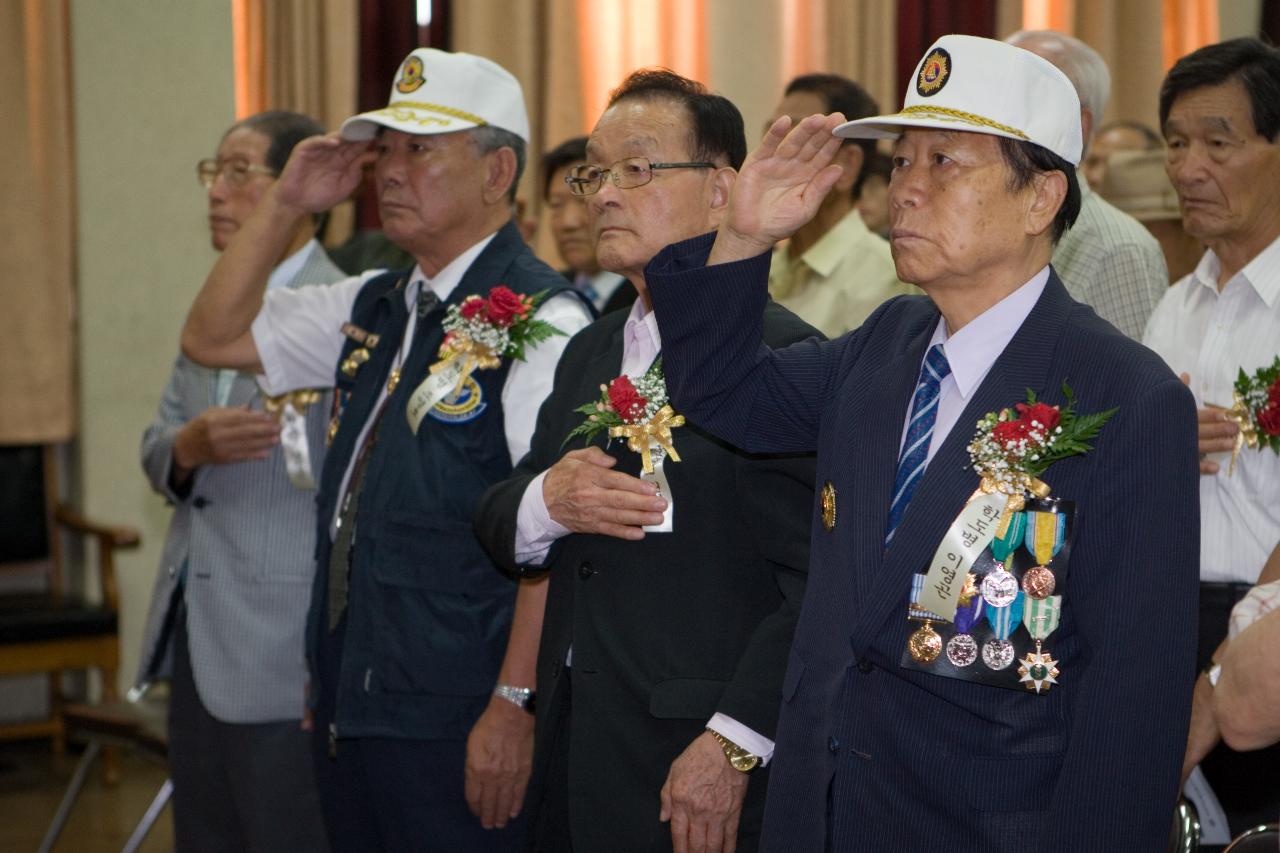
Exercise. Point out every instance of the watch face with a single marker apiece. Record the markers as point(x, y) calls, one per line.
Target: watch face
point(744, 762)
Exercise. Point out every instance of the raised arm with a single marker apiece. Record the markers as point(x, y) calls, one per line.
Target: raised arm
point(321, 172)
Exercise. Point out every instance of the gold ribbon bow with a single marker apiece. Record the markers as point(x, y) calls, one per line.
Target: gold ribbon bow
point(1239, 415)
point(300, 400)
point(640, 437)
point(476, 356)
point(1013, 490)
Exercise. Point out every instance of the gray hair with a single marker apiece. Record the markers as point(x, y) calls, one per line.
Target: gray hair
point(488, 139)
point(1084, 67)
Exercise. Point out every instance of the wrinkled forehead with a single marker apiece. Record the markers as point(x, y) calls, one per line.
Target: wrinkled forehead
point(244, 143)
point(654, 127)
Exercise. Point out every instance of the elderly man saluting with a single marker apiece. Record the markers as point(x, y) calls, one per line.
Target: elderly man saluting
point(991, 654)
point(409, 619)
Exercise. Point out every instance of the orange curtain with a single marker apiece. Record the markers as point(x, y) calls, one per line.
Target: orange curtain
point(618, 36)
point(1188, 25)
point(1049, 15)
point(37, 213)
point(249, 57)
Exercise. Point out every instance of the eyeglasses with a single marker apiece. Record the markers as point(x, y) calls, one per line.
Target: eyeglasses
point(236, 172)
point(626, 174)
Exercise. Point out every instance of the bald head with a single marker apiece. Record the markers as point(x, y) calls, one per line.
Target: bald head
point(1083, 66)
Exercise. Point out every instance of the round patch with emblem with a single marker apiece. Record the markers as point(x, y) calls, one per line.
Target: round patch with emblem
point(934, 72)
point(466, 405)
point(411, 76)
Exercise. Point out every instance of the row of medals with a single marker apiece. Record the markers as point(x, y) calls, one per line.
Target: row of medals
point(998, 589)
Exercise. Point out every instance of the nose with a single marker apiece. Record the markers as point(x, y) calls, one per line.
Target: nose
point(217, 190)
point(905, 189)
point(1185, 165)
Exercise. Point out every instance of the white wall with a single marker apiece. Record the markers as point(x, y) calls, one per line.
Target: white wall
point(152, 94)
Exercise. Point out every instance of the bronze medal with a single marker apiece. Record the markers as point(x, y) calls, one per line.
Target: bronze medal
point(829, 506)
point(1038, 583)
point(924, 645)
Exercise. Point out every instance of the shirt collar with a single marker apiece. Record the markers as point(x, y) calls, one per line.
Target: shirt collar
point(1262, 273)
point(640, 333)
point(972, 350)
point(449, 277)
point(288, 269)
point(824, 255)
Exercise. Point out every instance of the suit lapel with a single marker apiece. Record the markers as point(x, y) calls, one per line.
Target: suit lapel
point(948, 481)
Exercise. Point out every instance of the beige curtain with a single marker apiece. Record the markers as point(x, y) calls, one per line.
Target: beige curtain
point(538, 42)
point(299, 55)
point(862, 44)
point(37, 221)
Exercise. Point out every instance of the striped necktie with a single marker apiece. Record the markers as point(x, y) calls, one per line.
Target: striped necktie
point(915, 448)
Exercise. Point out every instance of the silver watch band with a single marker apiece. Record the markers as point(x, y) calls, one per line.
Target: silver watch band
point(518, 696)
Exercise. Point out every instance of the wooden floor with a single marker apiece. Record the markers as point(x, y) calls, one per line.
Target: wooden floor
point(32, 782)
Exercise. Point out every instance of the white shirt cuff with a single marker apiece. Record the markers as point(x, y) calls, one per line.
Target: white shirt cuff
point(536, 530)
point(750, 740)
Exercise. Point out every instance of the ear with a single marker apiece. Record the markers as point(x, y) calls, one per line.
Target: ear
point(720, 189)
point(500, 176)
point(1048, 193)
point(849, 158)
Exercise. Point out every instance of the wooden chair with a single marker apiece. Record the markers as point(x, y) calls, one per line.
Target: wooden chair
point(50, 630)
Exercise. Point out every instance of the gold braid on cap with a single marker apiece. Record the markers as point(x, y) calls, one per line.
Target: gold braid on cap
point(960, 115)
point(435, 108)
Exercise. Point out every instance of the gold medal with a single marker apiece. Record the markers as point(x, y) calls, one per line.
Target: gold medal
point(1038, 671)
point(924, 645)
point(829, 506)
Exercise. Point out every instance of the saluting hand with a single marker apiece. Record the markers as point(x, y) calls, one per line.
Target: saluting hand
point(321, 172)
point(585, 496)
point(779, 187)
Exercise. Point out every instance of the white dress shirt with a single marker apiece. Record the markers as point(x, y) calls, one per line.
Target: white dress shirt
point(1211, 335)
point(299, 338)
point(536, 530)
point(971, 352)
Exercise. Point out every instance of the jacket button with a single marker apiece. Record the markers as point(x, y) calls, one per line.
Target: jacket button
point(200, 503)
point(833, 744)
point(585, 571)
point(865, 665)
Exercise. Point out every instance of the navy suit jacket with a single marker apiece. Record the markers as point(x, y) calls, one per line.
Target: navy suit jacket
point(872, 756)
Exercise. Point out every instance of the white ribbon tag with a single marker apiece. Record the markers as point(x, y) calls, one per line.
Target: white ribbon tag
point(433, 389)
point(969, 534)
point(659, 478)
point(297, 455)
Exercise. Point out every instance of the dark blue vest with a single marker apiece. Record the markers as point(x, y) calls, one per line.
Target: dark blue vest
point(428, 613)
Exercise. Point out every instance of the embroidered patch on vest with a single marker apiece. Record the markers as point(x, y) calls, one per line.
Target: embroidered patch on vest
point(462, 407)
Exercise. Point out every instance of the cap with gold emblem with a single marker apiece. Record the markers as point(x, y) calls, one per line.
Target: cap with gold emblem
point(440, 92)
point(984, 86)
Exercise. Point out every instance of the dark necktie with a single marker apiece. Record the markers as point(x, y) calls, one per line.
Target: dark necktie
point(915, 448)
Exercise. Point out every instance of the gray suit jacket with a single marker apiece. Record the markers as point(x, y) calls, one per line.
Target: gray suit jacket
point(248, 537)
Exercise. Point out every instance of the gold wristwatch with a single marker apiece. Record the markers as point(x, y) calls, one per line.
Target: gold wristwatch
point(739, 758)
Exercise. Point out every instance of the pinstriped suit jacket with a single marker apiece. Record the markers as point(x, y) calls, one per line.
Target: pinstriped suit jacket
point(871, 756)
point(248, 537)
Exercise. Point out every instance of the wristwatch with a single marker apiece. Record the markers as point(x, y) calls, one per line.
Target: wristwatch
point(521, 697)
point(739, 758)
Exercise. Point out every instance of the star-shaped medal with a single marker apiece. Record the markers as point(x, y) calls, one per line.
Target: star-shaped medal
point(1038, 671)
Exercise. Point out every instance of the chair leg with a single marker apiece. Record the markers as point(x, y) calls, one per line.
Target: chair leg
point(69, 798)
point(59, 743)
point(111, 754)
point(149, 818)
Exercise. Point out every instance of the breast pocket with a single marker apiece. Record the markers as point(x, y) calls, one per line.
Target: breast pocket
point(442, 610)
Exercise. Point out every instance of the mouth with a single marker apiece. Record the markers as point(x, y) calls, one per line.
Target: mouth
point(221, 222)
point(899, 234)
